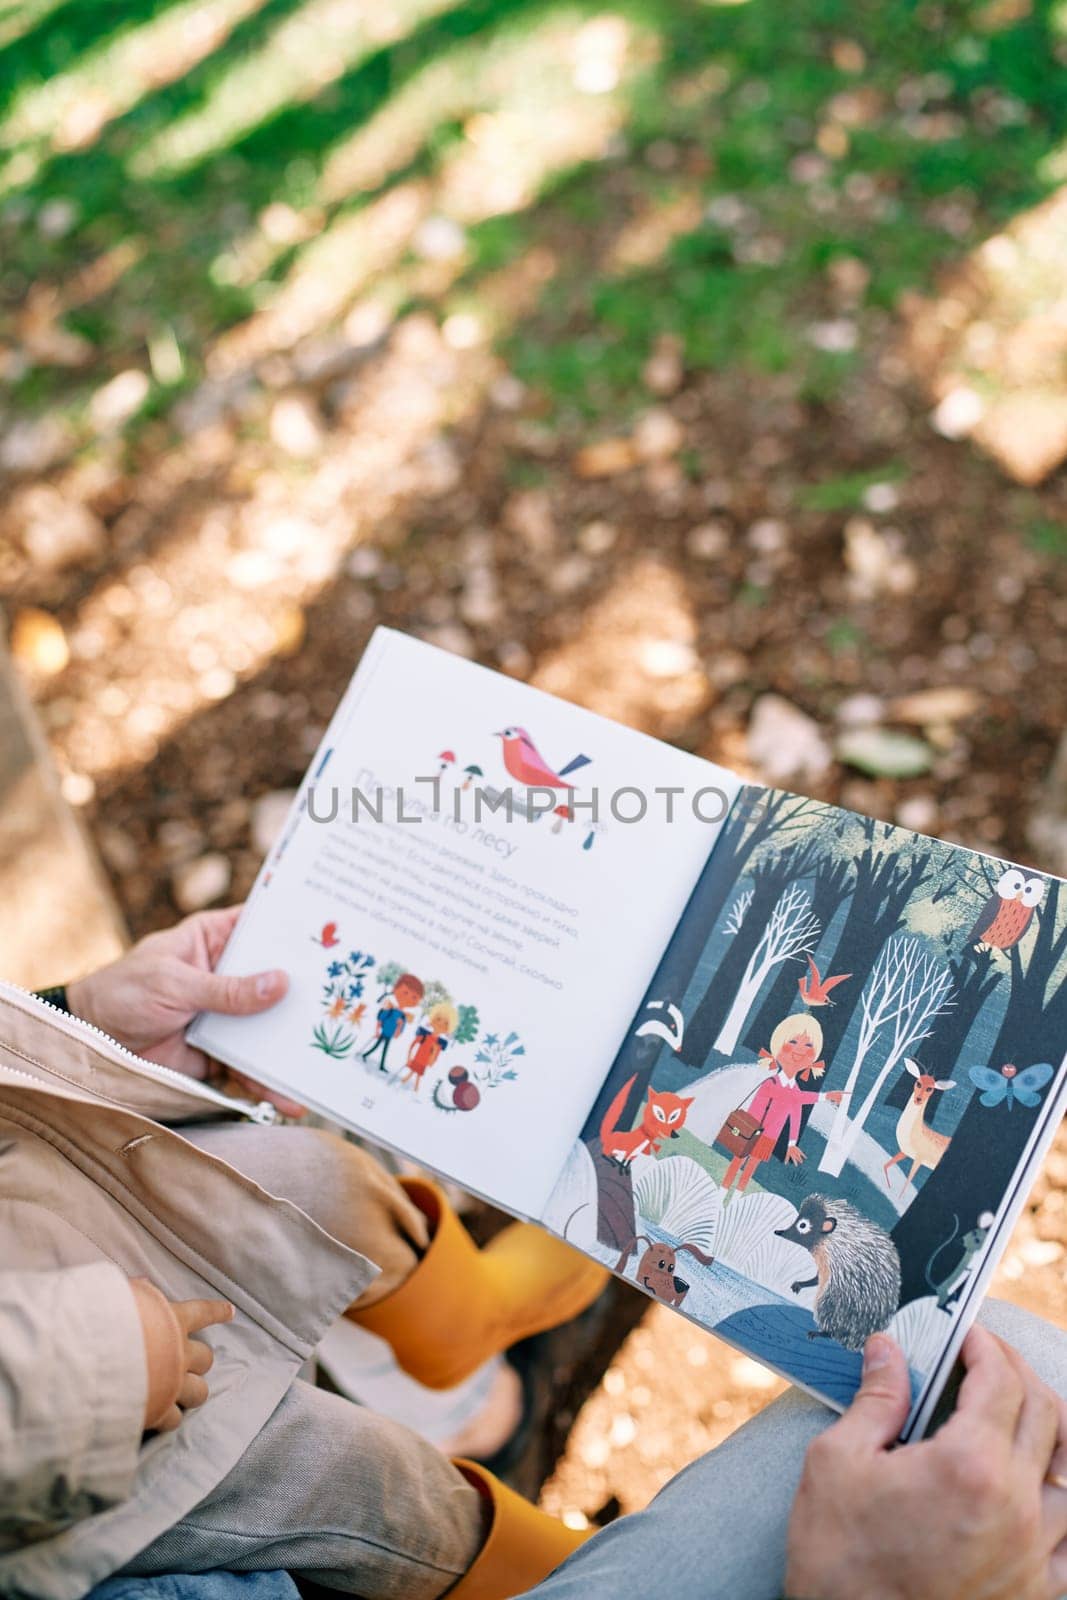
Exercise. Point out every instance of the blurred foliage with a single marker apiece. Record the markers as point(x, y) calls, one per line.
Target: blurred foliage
point(886, 133)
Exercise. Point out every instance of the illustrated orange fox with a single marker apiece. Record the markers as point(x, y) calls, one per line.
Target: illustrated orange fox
point(662, 1116)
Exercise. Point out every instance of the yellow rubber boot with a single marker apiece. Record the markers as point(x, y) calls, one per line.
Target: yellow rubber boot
point(462, 1305)
point(522, 1547)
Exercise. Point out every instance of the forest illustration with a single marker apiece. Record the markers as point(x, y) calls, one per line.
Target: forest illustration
point(407, 1031)
point(825, 1096)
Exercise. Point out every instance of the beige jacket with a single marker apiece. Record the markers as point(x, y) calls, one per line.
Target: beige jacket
point(93, 1191)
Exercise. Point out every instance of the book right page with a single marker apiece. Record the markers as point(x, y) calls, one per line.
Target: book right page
point(845, 1066)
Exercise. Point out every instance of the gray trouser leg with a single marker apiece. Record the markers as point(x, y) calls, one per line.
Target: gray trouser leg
point(719, 1527)
point(336, 1494)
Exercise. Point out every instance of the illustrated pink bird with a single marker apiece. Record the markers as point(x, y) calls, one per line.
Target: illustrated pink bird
point(527, 765)
point(328, 937)
point(815, 991)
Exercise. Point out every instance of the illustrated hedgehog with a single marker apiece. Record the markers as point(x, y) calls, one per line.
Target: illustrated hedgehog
point(857, 1270)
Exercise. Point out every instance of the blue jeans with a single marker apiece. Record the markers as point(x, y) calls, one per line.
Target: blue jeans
point(202, 1586)
point(719, 1527)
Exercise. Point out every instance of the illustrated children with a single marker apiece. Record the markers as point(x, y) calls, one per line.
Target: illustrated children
point(394, 1012)
point(779, 1100)
point(431, 1037)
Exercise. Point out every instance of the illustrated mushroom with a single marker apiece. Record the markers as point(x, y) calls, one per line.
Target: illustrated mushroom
point(472, 773)
point(594, 829)
point(562, 814)
point(447, 758)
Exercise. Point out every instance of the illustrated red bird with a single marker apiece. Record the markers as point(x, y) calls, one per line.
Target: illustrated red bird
point(328, 937)
point(815, 991)
point(527, 765)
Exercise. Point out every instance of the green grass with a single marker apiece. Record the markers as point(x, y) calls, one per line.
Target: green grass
point(722, 101)
point(846, 492)
point(1048, 538)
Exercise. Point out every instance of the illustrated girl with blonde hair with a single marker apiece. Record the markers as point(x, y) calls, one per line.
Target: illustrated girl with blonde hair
point(779, 1100)
point(431, 1037)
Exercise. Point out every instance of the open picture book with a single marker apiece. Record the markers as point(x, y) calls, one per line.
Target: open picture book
point(785, 1068)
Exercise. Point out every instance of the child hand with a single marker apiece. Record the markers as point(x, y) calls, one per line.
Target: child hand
point(835, 1096)
point(795, 1155)
point(175, 1361)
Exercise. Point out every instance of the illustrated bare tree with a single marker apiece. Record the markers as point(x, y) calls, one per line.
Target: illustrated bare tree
point(768, 879)
point(886, 878)
point(790, 931)
point(908, 987)
point(831, 884)
point(738, 912)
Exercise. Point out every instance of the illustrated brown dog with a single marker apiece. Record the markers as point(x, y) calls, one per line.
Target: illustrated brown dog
point(657, 1270)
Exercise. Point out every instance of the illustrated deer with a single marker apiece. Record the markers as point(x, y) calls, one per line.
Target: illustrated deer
point(925, 1146)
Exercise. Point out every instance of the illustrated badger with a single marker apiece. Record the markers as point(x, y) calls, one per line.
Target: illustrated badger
point(857, 1270)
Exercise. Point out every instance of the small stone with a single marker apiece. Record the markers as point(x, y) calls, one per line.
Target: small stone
point(507, 392)
point(784, 743)
point(928, 707)
point(57, 217)
point(316, 360)
point(958, 413)
point(528, 514)
point(605, 459)
point(918, 812)
point(708, 540)
point(667, 658)
point(178, 840)
point(200, 883)
point(849, 277)
point(881, 497)
point(657, 435)
point(364, 562)
point(664, 369)
point(597, 538)
point(290, 627)
point(727, 667)
point(118, 849)
point(295, 426)
point(56, 531)
point(116, 402)
point(78, 788)
point(38, 643)
point(570, 574)
point(837, 336)
point(860, 711)
point(439, 467)
point(883, 753)
point(439, 239)
point(34, 446)
point(268, 818)
point(876, 561)
point(450, 636)
point(768, 536)
point(480, 601)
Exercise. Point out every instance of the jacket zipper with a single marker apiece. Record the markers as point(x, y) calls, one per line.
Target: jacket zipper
point(256, 1111)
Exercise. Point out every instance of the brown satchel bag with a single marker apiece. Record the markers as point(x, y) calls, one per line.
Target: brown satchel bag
point(739, 1132)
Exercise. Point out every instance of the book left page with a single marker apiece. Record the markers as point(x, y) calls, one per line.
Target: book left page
point(461, 978)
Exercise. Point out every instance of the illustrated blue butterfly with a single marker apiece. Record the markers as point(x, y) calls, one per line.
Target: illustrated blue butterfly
point(1010, 1084)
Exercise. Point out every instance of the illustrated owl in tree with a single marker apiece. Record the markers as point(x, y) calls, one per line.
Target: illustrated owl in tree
point(1008, 912)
